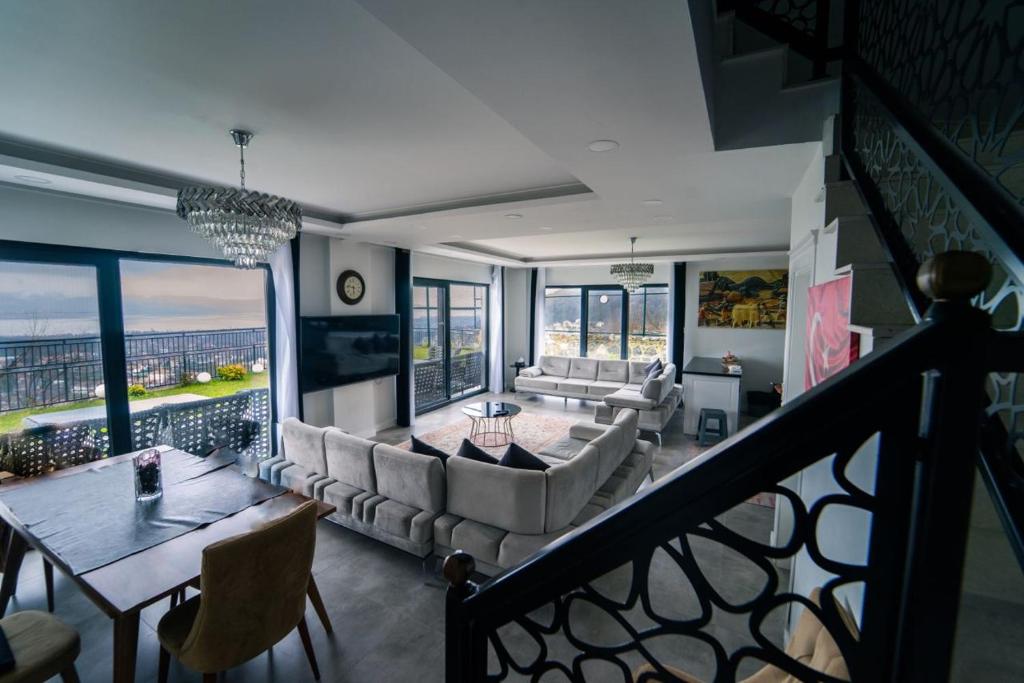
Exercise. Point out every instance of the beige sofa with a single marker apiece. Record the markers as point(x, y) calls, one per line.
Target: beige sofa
point(390, 494)
point(617, 384)
point(502, 515)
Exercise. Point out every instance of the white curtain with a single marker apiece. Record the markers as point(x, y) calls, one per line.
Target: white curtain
point(286, 372)
point(670, 338)
point(496, 338)
point(538, 318)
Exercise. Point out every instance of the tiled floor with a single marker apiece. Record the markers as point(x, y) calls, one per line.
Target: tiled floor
point(389, 623)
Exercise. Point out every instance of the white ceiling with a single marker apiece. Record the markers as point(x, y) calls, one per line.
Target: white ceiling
point(420, 124)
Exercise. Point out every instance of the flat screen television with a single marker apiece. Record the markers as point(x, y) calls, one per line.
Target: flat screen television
point(345, 349)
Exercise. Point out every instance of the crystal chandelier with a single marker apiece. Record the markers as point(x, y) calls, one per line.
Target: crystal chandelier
point(632, 275)
point(246, 226)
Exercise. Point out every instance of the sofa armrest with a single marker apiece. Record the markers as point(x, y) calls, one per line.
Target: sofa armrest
point(587, 430)
point(532, 371)
point(622, 399)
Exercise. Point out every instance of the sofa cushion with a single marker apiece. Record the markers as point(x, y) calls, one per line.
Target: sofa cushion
point(555, 365)
point(519, 458)
point(603, 387)
point(304, 445)
point(350, 459)
point(300, 480)
point(570, 486)
point(517, 547)
point(471, 451)
point(652, 386)
point(498, 496)
point(613, 371)
point(565, 448)
point(583, 368)
point(395, 518)
point(424, 448)
point(612, 454)
point(409, 478)
point(532, 371)
point(637, 371)
point(542, 383)
point(574, 386)
point(627, 421)
point(655, 368)
point(342, 496)
point(479, 540)
point(443, 527)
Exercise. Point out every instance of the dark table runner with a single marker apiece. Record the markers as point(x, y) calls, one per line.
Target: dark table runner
point(91, 519)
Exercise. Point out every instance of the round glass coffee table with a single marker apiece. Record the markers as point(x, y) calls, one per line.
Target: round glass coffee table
point(491, 422)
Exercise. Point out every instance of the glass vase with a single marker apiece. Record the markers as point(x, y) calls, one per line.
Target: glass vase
point(148, 481)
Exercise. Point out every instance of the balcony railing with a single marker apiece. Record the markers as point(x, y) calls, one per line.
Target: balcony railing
point(467, 371)
point(240, 421)
point(53, 371)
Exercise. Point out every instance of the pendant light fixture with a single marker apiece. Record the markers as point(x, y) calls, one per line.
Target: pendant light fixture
point(632, 275)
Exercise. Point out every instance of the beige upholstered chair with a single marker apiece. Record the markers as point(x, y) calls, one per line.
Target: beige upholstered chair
point(811, 645)
point(43, 647)
point(253, 595)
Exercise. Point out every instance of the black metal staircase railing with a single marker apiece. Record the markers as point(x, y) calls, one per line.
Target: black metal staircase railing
point(895, 434)
point(933, 135)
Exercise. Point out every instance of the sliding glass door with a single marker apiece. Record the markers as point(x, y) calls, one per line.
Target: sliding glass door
point(104, 352)
point(53, 411)
point(449, 341)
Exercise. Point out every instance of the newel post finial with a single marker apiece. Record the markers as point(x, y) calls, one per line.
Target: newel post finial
point(954, 276)
point(458, 567)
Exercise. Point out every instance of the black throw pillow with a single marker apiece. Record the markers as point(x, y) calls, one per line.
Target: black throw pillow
point(521, 459)
point(468, 449)
point(424, 448)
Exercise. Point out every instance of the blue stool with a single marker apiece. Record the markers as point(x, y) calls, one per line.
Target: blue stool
point(712, 426)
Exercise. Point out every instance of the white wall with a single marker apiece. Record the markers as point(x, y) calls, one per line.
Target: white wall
point(760, 351)
point(441, 268)
point(517, 318)
point(367, 407)
point(51, 218)
point(315, 292)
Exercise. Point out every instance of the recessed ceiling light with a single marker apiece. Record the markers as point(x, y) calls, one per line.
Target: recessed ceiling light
point(513, 216)
point(603, 145)
point(35, 180)
point(546, 228)
point(653, 202)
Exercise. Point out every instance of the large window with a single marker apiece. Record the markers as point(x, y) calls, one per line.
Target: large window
point(648, 323)
point(449, 341)
point(102, 353)
point(605, 311)
point(563, 313)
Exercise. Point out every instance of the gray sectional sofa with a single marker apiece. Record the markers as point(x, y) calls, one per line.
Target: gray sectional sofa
point(498, 514)
point(381, 491)
point(501, 515)
point(617, 384)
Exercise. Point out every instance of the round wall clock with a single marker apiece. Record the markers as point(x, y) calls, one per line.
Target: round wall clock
point(351, 287)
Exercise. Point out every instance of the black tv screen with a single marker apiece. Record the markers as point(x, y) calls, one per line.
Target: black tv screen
point(344, 349)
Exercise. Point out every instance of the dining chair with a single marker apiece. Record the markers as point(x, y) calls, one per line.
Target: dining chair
point(253, 595)
point(43, 646)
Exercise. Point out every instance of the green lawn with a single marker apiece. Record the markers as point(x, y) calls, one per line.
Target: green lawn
point(10, 422)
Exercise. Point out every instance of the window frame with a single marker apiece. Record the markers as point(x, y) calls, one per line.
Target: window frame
point(645, 295)
point(585, 316)
point(107, 263)
point(446, 284)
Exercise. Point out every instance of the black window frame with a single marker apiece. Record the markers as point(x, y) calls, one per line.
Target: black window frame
point(446, 284)
point(645, 294)
point(585, 291)
point(107, 263)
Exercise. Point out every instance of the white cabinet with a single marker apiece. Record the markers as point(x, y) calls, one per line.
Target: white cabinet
point(702, 390)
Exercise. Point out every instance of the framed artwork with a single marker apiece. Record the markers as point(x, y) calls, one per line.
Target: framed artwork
point(830, 346)
point(743, 298)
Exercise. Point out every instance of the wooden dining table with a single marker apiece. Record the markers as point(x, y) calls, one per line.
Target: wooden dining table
point(124, 587)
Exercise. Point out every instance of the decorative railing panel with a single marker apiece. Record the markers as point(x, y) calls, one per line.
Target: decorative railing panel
point(467, 372)
point(54, 371)
point(240, 421)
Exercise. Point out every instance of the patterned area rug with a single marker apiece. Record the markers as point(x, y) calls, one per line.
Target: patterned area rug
point(532, 432)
